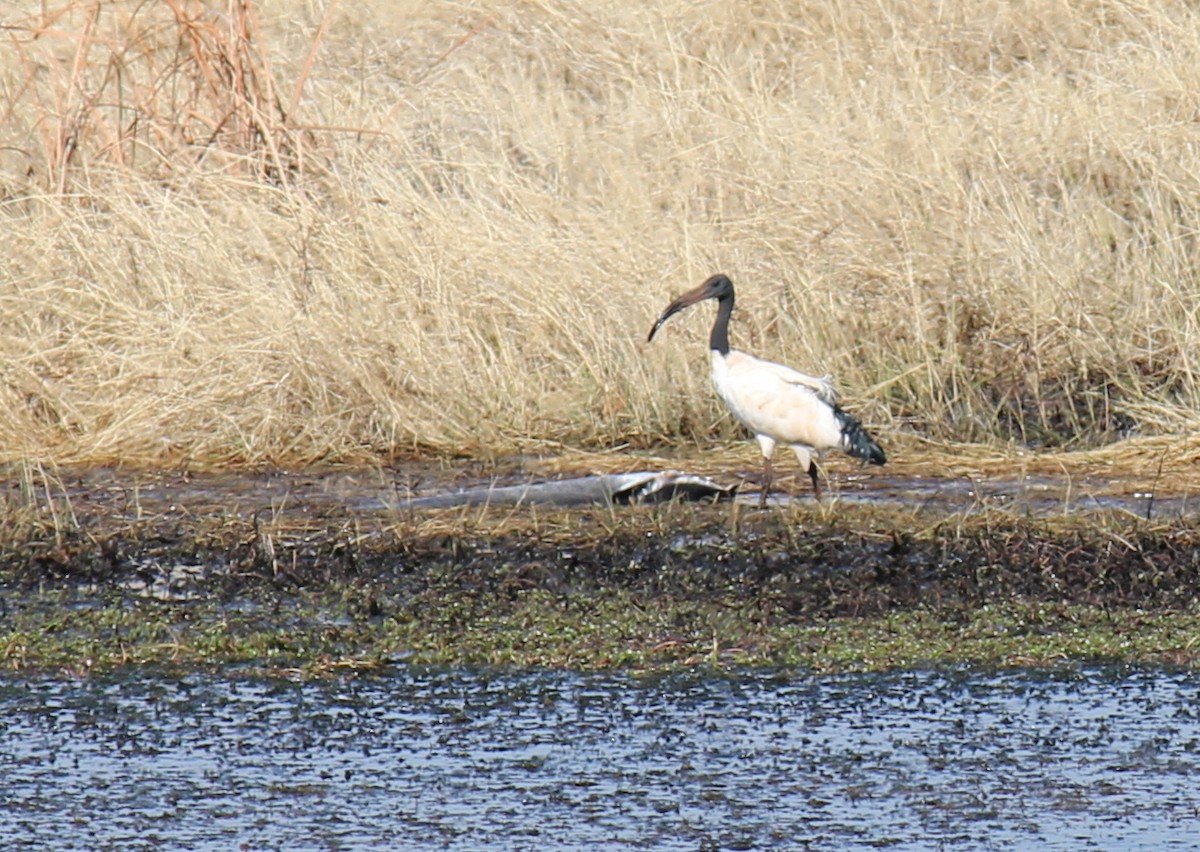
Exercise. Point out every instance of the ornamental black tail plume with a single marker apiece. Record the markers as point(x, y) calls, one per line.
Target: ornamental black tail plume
point(855, 439)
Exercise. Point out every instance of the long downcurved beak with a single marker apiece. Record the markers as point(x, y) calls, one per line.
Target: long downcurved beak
point(687, 299)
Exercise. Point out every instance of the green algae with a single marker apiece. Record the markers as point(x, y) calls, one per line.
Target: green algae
point(314, 634)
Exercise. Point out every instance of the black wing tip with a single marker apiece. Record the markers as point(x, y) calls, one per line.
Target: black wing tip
point(858, 442)
point(863, 446)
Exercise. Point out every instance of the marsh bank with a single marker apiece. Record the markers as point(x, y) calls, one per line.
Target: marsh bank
point(335, 570)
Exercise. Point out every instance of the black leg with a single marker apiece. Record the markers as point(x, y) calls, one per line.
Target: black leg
point(812, 474)
point(768, 475)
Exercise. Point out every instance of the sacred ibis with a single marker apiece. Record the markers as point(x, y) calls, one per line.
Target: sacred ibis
point(778, 404)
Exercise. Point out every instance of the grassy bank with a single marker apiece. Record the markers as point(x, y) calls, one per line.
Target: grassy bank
point(318, 590)
point(259, 232)
point(253, 234)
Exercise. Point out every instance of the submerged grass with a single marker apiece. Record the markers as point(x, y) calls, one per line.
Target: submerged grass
point(314, 634)
point(254, 233)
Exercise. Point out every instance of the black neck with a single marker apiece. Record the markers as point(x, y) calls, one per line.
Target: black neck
point(718, 340)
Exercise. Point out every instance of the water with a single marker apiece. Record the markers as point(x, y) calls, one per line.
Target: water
point(1102, 759)
point(118, 497)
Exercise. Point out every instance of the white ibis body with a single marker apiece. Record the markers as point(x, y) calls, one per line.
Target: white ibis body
point(778, 404)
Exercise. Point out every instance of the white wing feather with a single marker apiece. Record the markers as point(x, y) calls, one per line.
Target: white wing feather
point(777, 402)
point(823, 386)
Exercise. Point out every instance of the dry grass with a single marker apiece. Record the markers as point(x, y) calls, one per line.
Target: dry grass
point(245, 232)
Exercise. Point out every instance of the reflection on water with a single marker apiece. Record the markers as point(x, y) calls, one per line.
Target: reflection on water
point(469, 760)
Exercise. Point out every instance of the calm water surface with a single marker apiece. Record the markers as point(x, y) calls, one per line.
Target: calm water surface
point(1102, 759)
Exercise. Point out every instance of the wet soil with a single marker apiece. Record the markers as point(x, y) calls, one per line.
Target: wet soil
point(664, 581)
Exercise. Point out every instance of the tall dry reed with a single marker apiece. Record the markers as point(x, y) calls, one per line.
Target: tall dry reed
point(240, 232)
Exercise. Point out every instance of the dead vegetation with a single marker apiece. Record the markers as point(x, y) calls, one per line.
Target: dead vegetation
point(152, 89)
point(248, 232)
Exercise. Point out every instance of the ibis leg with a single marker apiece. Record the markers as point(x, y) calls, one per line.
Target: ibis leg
point(768, 475)
point(812, 474)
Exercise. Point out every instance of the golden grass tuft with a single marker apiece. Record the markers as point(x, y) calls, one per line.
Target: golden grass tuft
point(244, 232)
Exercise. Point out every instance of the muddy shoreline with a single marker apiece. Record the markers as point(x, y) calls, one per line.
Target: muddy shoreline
point(322, 571)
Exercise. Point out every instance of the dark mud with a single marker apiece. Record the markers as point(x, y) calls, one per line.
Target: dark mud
point(878, 543)
point(1015, 560)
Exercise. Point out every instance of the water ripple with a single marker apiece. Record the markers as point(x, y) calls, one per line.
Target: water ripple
point(1077, 759)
